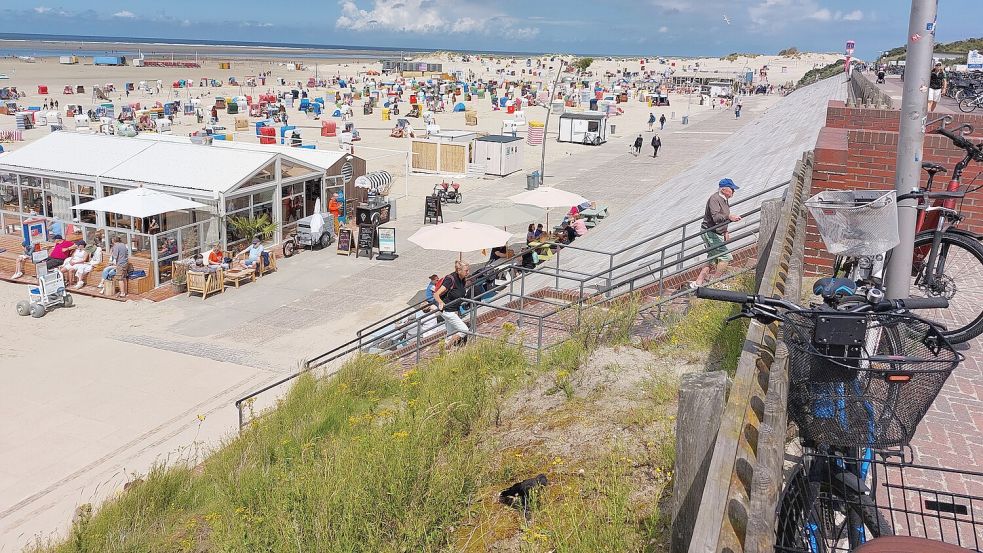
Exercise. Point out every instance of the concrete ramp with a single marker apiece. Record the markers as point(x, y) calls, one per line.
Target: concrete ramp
point(757, 157)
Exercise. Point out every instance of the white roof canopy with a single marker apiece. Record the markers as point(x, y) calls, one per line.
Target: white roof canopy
point(139, 202)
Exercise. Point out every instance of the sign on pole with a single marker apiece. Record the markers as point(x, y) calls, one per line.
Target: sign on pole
point(974, 60)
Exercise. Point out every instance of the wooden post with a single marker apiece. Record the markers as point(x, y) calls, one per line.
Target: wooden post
point(771, 212)
point(702, 397)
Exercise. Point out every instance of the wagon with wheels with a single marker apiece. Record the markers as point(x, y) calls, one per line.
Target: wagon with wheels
point(314, 231)
point(48, 293)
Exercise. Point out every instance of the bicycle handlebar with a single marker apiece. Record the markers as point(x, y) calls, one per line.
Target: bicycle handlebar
point(974, 150)
point(882, 306)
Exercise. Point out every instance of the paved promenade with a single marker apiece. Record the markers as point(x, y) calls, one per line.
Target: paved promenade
point(124, 384)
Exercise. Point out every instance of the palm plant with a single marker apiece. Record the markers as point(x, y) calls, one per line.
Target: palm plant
point(249, 227)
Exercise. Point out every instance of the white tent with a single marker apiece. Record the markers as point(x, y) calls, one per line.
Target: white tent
point(139, 202)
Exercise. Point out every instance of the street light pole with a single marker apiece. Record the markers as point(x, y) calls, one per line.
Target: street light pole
point(911, 137)
point(546, 125)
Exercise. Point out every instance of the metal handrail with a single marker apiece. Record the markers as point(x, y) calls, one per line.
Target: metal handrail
point(358, 344)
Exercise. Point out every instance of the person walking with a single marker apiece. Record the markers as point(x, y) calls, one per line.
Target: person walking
point(651, 120)
point(937, 86)
point(656, 144)
point(638, 145)
point(715, 235)
point(448, 296)
point(737, 109)
point(662, 122)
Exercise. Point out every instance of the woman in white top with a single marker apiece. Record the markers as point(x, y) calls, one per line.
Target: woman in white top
point(82, 263)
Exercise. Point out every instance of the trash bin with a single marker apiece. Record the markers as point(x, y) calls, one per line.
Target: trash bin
point(612, 129)
point(686, 119)
point(532, 180)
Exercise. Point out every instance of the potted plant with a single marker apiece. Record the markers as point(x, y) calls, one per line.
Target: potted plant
point(180, 283)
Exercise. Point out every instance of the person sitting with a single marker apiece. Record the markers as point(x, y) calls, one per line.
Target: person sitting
point(498, 253)
point(254, 253)
point(539, 231)
point(62, 251)
point(578, 225)
point(216, 258)
point(21, 259)
point(431, 288)
point(531, 233)
point(569, 231)
point(78, 264)
point(198, 265)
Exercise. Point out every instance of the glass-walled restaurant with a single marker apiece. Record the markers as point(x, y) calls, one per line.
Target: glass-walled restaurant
point(284, 189)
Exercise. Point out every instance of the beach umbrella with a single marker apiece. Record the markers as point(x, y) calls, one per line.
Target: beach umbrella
point(460, 236)
point(317, 223)
point(139, 202)
point(503, 213)
point(548, 197)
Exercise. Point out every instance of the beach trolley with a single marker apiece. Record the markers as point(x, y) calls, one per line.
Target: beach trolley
point(315, 230)
point(48, 293)
point(589, 127)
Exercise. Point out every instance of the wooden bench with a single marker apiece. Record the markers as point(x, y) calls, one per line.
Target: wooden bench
point(263, 267)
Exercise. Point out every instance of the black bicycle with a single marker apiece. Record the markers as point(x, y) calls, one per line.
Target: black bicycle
point(863, 371)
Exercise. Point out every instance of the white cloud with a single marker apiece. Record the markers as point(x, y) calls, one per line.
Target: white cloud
point(42, 9)
point(125, 14)
point(430, 16)
point(822, 14)
point(663, 29)
point(855, 15)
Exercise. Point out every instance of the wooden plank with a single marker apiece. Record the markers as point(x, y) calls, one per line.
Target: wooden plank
point(453, 158)
point(702, 397)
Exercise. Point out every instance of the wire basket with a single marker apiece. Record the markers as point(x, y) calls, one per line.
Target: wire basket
point(904, 499)
point(856, 223)
point(863, 380)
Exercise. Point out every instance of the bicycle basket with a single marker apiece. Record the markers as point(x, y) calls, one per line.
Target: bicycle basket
point(863, 379)
point(852, 224)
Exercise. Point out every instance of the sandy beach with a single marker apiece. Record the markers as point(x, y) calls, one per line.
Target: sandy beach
point(192, 358)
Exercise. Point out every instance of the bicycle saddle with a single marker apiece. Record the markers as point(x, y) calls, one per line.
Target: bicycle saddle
point(830, 287)
point(934, 167)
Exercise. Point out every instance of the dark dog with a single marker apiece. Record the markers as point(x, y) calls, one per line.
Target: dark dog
point(517, 495)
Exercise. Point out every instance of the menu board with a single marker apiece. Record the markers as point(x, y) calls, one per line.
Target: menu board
point(387, 243)
point(366, 237)
point(433, 213)
point(344, 241)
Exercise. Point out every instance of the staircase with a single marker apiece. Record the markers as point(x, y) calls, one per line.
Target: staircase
point(656, 270)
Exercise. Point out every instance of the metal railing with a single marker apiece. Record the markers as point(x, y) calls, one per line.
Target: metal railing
point(399, 337)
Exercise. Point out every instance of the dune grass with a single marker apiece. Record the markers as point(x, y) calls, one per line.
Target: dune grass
point(368, 460)
point(374, 460)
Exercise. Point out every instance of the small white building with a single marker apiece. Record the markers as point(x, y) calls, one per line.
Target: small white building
point(589, 127)
point(499, 154)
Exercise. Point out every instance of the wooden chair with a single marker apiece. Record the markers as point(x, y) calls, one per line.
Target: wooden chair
point(262, 267)
point(205, 283)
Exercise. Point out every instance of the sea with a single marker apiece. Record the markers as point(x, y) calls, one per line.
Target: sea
point(38, 45)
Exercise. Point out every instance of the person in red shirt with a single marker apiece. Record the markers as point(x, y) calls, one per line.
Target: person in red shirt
point(216, 258)
point(63, 250)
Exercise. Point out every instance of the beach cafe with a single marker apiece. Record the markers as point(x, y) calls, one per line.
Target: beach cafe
point(41, 183)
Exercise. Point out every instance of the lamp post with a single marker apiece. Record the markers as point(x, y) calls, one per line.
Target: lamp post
point(546, 125)
point(911, 137)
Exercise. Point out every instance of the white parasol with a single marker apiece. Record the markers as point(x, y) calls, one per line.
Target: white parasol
point(317, 223)
point(140, 202)
point(503, 213)
point(547, 197)
point(460, 236)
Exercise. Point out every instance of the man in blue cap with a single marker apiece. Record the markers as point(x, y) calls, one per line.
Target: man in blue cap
point(715, 234)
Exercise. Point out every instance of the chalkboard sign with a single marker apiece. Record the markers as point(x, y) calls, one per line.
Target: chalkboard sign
point(344, 241)
point(432, 212)
point(366, 237)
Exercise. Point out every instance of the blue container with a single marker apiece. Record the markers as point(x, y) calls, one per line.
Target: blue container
point(304, 103)
point(502, 101)
point(259, 125)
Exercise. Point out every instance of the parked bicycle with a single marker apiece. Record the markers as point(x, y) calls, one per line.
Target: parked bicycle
point(860, 229)
point(863, 371)
point(968, 104)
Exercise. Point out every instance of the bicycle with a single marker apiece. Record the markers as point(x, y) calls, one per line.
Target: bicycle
point(863, 372)
point(969, 104)
point(860, 229)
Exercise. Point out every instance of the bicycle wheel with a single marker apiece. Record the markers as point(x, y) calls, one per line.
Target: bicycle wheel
point(968, 105)
point(826, 515)
point(957, 278)
point(798, 528)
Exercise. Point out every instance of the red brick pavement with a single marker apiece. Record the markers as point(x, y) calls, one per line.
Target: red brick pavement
point(950, 434)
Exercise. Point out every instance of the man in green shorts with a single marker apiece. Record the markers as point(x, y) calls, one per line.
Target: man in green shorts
point(715, 234)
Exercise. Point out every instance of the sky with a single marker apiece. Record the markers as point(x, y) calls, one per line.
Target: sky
point(614, 27)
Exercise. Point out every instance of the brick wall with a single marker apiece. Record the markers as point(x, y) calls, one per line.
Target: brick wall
point(857, 149)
